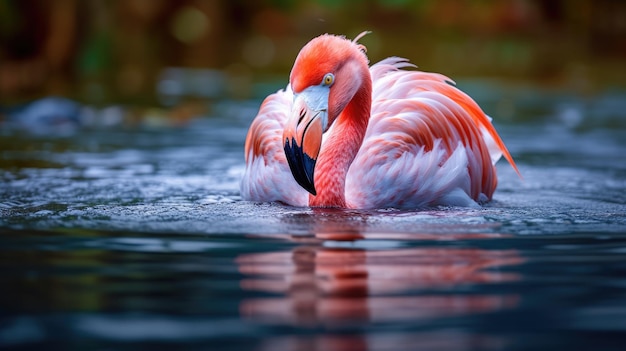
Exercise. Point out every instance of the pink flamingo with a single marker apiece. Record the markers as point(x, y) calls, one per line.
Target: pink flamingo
point(343, 134)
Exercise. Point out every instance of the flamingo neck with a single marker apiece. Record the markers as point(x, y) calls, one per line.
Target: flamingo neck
point(341, 147)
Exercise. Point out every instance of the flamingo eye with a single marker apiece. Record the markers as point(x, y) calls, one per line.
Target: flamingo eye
point(329, 78)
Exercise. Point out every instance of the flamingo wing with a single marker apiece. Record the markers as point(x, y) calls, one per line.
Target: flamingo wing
point(427, 143)
point(267, 176)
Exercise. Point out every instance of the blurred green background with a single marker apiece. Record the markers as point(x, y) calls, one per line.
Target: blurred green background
point(144, 51)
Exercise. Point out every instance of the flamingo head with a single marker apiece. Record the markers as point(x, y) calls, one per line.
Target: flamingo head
point(325, 77)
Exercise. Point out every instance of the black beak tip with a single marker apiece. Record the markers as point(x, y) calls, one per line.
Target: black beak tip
point(311, 190)
point(302, 166)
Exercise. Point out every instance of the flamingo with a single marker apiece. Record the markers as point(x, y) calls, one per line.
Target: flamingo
point(346, 135)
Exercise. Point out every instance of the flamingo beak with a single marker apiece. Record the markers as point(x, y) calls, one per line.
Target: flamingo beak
point(302, 135)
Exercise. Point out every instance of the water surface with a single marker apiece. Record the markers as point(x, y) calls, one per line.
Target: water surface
point(116, 237)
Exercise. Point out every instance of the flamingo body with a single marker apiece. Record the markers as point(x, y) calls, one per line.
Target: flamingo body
point(391, 137)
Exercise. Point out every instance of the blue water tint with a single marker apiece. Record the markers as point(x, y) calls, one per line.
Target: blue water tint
point(129, 238)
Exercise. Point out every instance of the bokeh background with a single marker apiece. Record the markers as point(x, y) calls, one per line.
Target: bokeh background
point(168, 53)
point(122, 130)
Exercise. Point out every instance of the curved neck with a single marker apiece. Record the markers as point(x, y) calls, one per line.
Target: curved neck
point(341, 146)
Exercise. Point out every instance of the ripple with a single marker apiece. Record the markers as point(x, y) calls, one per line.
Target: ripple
point(157, 245)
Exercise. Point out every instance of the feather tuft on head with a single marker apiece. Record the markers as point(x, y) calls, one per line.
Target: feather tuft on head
point(358, 37)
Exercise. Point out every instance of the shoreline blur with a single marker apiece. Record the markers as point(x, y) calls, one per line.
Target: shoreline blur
point(162, 53)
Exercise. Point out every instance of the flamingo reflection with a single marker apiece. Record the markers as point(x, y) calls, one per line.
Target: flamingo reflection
point(335, 278)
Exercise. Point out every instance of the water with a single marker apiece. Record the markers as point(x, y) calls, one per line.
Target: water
point(125, 238)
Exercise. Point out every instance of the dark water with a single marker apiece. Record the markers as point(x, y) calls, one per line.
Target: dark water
point(119, 238)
